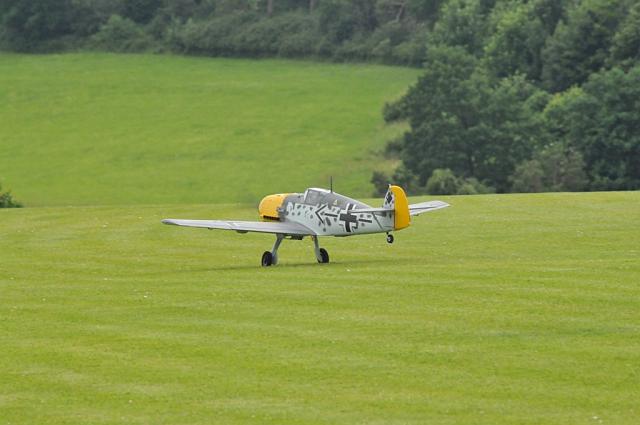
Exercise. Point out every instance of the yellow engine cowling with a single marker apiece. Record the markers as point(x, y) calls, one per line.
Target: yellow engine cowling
point(268, 208)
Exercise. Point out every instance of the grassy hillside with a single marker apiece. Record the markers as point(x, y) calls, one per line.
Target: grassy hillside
point(87, 129)
point(500, 309)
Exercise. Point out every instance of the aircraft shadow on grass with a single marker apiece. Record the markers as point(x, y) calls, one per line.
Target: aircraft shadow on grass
point(289, 265)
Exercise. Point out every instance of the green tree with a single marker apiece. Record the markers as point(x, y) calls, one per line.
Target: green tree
point(515, 46)
point(140, 11)
point(601, 122)
point(461, 23)
point(336, 20)
point(462, 122)
point(550, 12)
point(28, 23)
point(581, 46)
point(626, 42)
point(88, 15)
point(227, 7)
point(425, 10)
point(440, 107)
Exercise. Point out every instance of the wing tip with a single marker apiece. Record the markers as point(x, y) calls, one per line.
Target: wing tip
point(169, 221)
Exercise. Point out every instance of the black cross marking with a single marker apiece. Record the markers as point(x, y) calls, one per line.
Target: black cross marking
point(389, 197)
point(349, 219)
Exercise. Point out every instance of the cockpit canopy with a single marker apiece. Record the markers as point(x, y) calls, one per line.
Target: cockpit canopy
point(315, 196)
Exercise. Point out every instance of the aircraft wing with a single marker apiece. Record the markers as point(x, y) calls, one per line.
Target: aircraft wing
point(423, 207)
point(292, 229)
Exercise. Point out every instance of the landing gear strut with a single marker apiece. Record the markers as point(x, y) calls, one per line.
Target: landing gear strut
point(389, 238)
point(270, 258)
point(321, 254)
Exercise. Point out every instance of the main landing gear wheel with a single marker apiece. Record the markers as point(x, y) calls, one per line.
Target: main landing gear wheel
point(389, 238)
point(270, 258)
point(324, 256)
point(321, 254)
point(267, 259)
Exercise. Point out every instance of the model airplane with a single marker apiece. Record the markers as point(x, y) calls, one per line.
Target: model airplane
point(321, 212)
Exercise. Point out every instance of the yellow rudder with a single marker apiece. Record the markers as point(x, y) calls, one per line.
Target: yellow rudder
point(402, 217)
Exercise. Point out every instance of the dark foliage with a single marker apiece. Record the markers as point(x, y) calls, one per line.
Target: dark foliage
point(525, 96)
point(7, 201)
point(343, 30)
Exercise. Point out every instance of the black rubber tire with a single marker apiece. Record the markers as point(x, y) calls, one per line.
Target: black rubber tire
point(390, 238)
point(267, 259)
point(324, 256)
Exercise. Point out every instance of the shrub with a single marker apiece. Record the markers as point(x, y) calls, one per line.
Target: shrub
point(298, 35)
point(393, 149)
point(213, 36)
point(527, 177)
point(121, 35)
point(7, 201)
point(259, 38)
point(554, 169)
point(353, 50)
point(246, 33)
point(395, 111)
point(473, 186)
point(443, 182)
point(380, 183)
point(382, 51)
point(298, 44)
point(409, 181)
point(410, 53)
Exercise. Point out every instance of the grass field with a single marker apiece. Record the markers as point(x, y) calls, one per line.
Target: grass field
point(504, 309)
point(89, 129)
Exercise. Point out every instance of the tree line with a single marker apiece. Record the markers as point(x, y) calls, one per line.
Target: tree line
point(524, 96)
point(515, 95)
point(389, 31)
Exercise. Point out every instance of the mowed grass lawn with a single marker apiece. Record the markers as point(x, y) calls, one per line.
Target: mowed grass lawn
point(89, 129)
point(501, 309)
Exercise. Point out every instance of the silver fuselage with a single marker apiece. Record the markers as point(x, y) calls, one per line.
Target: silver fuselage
point(331, 214)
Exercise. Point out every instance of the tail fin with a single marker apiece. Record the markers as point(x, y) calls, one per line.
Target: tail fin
point(396, 199)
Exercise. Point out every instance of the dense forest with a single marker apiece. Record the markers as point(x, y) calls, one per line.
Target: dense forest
point(516, 95)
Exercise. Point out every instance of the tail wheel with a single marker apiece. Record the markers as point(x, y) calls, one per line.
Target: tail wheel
point(389, 238)
point(324, 256)
point(267, 259)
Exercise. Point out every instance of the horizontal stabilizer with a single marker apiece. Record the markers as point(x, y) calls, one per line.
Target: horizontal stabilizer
point(371, 210)
point(423, 207)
